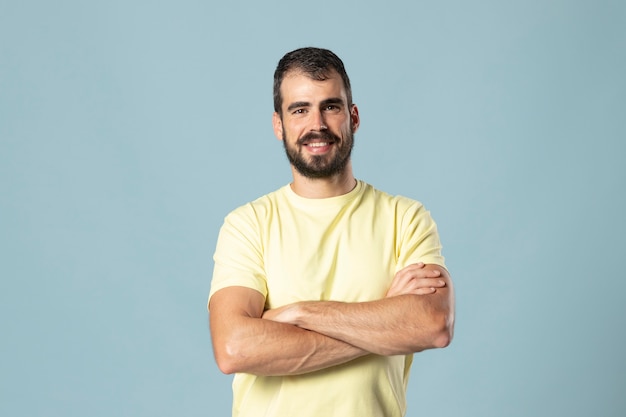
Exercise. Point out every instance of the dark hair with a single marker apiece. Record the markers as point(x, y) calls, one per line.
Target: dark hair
point(316, 63)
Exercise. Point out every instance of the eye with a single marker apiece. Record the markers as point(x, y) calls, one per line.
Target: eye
point(333, 108)
point(299, 111)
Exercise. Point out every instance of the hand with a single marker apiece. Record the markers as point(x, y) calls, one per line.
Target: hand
point(284, 314)
point(415, 279)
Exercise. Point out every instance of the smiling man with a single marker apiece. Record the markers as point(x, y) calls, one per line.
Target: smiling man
point(323, 290)
point(324, 150)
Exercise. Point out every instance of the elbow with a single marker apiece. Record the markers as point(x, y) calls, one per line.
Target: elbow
point(442, 340)
point(228, 358)
point(437, 334)
point(443, 331)
point(226, 366)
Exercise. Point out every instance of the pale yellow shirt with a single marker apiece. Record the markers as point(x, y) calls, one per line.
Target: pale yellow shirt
point(344, 248)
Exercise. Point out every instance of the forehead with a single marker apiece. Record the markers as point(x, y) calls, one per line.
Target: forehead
point(297, 86)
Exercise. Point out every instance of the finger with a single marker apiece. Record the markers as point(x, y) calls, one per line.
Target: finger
point(415, 267)
point(429, 282)
point(411, 267)
point(431, 273)
point(418, 285)
point(415, 270)
point(413, 291)
point(424, 291)
point(401, 278)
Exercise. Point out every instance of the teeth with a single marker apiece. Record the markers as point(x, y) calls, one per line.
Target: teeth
point(318, 144)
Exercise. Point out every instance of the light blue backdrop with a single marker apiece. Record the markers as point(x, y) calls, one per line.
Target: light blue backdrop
point(128, 129)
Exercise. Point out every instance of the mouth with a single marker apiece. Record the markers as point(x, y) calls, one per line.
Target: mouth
point(318, 147)
point(318, 143)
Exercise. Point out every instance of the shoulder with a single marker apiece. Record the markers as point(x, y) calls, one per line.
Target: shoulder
point(258, 209)
point(244, 226)
point(398, 203)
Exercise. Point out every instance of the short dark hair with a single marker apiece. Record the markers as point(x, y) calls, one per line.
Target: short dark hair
point(316, 63)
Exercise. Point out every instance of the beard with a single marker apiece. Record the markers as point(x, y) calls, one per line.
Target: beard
point(320, 166)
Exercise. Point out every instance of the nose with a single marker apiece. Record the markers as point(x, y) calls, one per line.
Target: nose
point(318, 123)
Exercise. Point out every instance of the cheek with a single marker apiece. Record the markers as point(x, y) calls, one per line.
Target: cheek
point(294, 130)
point(347, 129)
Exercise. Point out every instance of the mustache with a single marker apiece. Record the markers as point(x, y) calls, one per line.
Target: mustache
point(324, 135)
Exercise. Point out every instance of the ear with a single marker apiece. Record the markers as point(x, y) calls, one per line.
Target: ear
point(278, 126)
point(355, 120)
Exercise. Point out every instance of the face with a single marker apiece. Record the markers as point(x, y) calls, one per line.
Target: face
point(317, 125)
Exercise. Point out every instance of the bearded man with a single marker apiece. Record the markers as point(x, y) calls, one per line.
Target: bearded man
point(324, 289)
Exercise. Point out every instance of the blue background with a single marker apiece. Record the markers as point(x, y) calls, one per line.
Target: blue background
point(128, 129)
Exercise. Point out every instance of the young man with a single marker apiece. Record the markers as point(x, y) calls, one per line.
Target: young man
point(324, 289)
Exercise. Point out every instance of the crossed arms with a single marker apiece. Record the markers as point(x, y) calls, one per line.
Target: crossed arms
point(417, 313)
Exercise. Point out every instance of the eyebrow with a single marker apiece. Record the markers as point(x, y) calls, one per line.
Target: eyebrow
point(299, 104)
point(332, 100)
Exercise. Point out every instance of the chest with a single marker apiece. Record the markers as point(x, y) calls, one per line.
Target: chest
point(342, 256)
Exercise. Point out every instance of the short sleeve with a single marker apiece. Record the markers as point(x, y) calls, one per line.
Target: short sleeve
point(238, 258)
point(419, 238)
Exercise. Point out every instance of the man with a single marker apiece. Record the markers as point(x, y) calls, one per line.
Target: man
point(323, 289)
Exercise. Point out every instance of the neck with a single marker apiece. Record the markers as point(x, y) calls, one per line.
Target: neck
point(339, 184)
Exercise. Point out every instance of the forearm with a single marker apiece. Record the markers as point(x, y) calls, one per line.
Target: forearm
point(245, 342)
point(416, 314)
point(391, 326)
point(263, 347)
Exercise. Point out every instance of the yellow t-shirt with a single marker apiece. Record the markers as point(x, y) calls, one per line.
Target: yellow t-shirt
point(346, 248)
